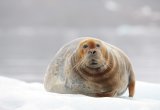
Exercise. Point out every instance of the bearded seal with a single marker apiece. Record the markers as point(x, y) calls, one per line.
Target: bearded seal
point(91, 67)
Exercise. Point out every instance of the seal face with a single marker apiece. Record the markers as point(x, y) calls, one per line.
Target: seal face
point(91, 67)
point(91, 57)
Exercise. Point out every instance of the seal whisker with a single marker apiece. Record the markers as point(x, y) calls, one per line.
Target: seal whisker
point(108, 65)
point(81, 62)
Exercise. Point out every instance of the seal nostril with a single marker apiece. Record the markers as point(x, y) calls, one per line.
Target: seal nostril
point(89, 52)
point(94, 52)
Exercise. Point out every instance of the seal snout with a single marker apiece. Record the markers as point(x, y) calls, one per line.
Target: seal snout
point(92, 52)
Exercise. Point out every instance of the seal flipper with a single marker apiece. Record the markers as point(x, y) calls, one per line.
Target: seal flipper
point(131, 85)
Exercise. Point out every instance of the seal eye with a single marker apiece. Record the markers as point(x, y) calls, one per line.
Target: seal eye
point(85, 46)
point(97, 45)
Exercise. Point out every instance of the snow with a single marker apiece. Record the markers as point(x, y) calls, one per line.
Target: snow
point(20, 95)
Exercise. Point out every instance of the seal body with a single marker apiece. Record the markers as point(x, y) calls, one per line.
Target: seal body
point(91, 67)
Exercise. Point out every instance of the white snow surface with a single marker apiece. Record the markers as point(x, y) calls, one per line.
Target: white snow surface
point(20, 95)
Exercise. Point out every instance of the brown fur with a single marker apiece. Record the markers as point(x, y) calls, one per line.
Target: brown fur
point(108, 77)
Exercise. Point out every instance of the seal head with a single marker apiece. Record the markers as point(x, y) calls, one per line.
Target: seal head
point(91, 56)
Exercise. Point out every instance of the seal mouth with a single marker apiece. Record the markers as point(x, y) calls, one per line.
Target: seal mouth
point(93, 62)
point(94, 66)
